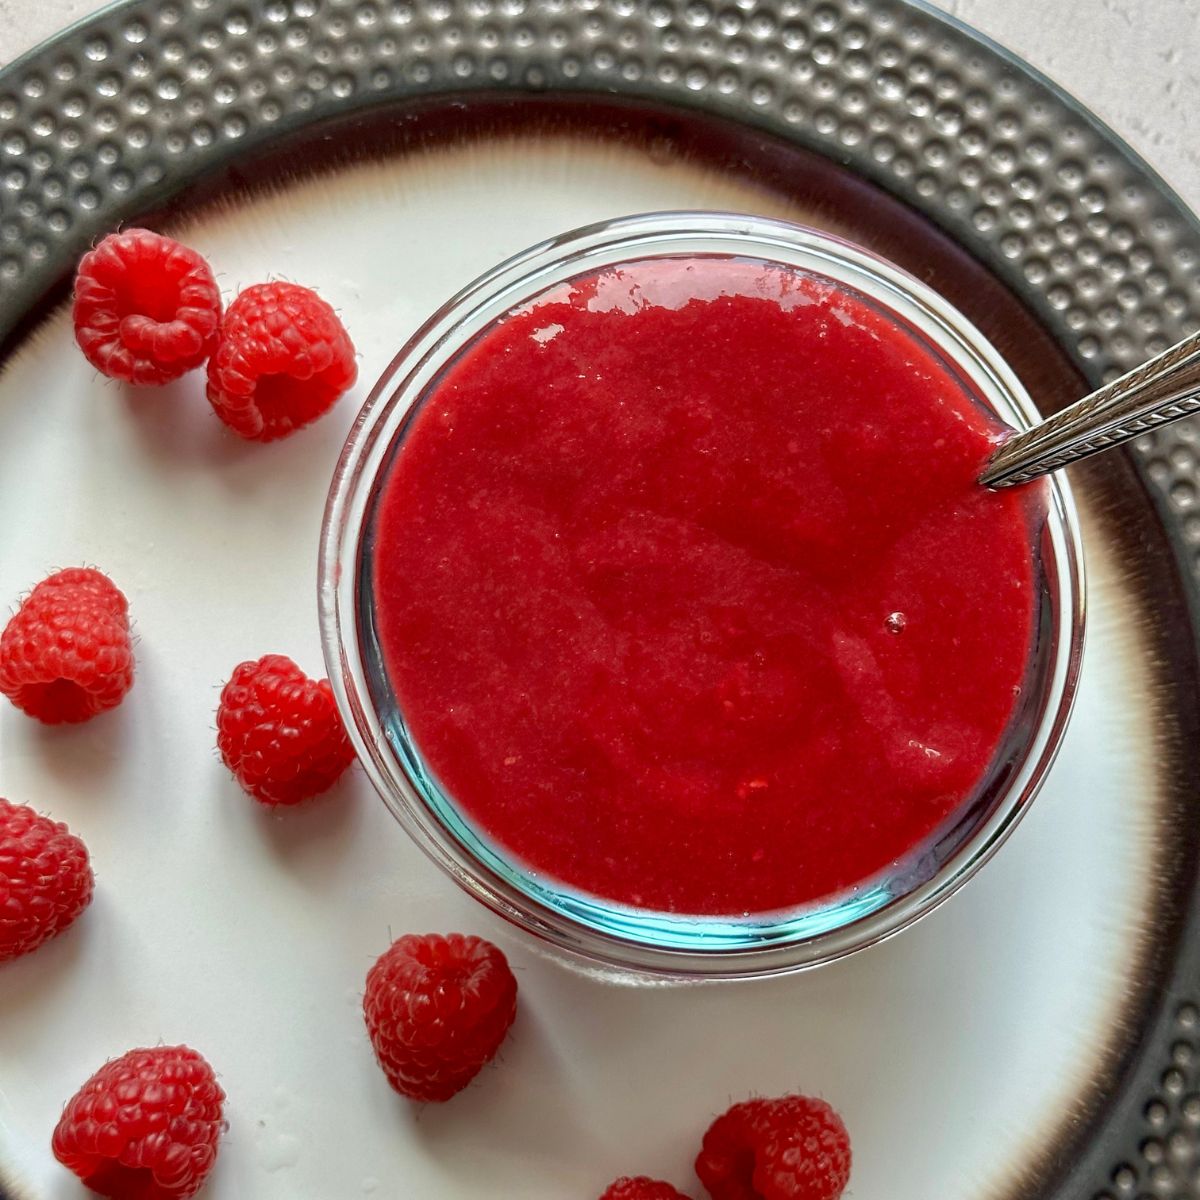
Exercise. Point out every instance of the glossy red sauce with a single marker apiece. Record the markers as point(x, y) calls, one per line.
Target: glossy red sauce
point(689, 595)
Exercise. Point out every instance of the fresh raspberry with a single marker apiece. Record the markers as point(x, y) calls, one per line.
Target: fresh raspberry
point(641, 1187)
point(791, 1148)
point(807, 1153)
point(279, 731)
point(67, 655)
point(726, 1161)
point(145, 1126)
point(146, 308)
point(282, 359)
point(45, 879)
point(437, 1009)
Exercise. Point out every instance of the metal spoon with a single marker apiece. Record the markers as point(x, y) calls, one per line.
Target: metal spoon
point(1161, 390)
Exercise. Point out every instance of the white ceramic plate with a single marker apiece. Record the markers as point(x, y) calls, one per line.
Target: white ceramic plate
point(957, 1052)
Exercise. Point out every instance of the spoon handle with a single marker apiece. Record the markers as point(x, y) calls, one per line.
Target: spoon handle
point(1162, 389)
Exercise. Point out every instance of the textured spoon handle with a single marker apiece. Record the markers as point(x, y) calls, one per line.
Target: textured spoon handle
point(1162, 389)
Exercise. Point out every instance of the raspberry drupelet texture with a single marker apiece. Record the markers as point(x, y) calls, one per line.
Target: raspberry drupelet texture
point(145, 1126)
point(791, 1148)
point(283, 358)
point(45, 879)
point(147, 309)
point(279, 731)
point(807, 1153)
point(641, 1187)
point(725, 1164)
point(437, 1009)
point(67, 653)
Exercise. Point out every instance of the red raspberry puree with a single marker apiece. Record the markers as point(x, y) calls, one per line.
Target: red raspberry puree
point(688, 593)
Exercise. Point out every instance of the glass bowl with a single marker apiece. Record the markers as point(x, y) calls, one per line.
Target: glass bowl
point(639, 940)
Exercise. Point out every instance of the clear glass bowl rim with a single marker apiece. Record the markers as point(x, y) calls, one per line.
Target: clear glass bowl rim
point(506, 286)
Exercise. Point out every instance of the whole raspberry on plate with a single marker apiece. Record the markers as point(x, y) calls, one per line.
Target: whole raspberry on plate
point(67, 653)
point(641, 1187)
point(45, 879)
point(279, 732)
point(437, 1009)
point(790, 1148)
point(282, 359)
point(145, 1126)
point(146, 308)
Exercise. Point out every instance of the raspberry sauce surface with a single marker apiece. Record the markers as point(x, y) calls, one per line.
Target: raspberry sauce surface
point(688, 594)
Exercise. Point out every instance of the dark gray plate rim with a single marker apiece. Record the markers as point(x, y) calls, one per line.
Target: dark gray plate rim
point(128, 108)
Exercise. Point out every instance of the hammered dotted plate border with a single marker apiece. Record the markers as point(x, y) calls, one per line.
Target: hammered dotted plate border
point(124, 110)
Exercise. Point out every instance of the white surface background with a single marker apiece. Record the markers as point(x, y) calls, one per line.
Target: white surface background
point(1136, 63)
